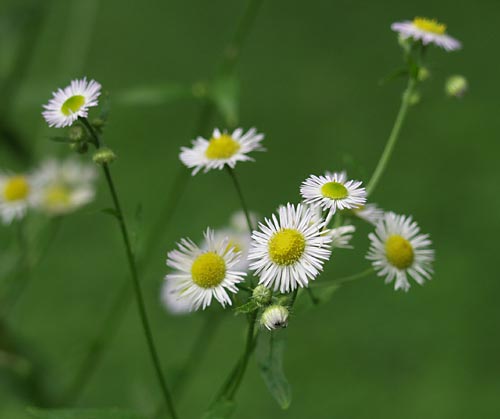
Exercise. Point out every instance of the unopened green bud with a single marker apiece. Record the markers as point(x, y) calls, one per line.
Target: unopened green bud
point(456, 86)
point(274, 317)
point(77, 133)
point(405, 43)
point(104, 156)
point(98, 123)
point(262, 295)
point(423, 74)
point(414, 98)
point(80, 147)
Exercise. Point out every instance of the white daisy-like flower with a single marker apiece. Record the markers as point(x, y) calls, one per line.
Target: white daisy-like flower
point(333, 192)
point(222, 149)
point(72, 102)
point(239, 220)
point(203, 273)
point(238, 241)
point(289, 250)
point(370, 213)
point(274, 317)
point(341, 236)
point(428, 31)
point(172, 300)
point(63, 186)
point(15, 196)
point(398, 250)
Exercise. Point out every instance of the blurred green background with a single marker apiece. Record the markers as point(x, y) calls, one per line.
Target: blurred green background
point(309, 80)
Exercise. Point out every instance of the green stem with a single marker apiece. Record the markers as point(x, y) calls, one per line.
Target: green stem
point(338, 281)
point(249, 347)
point(135, 278)
point(393, 137)
point(195, 357)
point(244, 207)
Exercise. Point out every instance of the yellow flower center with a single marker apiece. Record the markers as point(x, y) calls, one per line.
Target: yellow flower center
point(399, 251)
point(429, 25)
point(334, 190)
point(236, 247)
point(16, 189)
point(286, 246)
point(72, 104)
point(208, 270)
point(222, 147)
point(57, 196)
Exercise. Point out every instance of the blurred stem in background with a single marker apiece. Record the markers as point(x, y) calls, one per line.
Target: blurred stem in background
point(123, 298)
point(29, 18)
point(31, 256)
point(135, 275)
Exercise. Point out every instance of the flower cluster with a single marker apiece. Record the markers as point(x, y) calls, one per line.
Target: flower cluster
point(54, 188)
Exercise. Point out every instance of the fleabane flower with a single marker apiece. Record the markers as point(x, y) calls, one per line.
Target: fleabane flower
point(15, 196)
point(62, 187)
point(238, 241)
point(428, 31)
point(333, 192)
point(370, 213)
point(288, 250)
point(398, 251)
point(72, 102)
point(221, 149)
point(204, 273)
point(341, 236)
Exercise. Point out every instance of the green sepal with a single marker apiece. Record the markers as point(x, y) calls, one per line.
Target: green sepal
point(246, 308)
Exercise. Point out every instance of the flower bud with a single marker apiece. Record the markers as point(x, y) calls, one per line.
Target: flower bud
point(80, 147)
point(98, 123)
point(456, 86)
point(104, 156)
point(77, 133)
point(262, 295)
point(274, 317)
point(423, 74)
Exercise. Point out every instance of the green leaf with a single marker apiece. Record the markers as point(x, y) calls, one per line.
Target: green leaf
point(222, 409)
point(398, 73)
point(110, 413)
point(270, 351)
point(225, 94)
point(153, 95)
point(247, 307)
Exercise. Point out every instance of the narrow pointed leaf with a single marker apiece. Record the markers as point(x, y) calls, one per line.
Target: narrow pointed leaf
point(270, 351)
point(222, 409)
